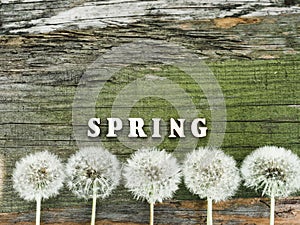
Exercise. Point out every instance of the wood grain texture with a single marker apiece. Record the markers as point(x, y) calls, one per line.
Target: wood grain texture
point(45, 16)
point(238, 211)
point(252, 47)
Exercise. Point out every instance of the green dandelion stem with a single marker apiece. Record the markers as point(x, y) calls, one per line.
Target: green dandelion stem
point(93, 218)
point(272, 210)
point(151, 213)
point(209, 211)
point(38, 210)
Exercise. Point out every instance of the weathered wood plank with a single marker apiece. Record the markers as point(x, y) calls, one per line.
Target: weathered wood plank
point(274, 36)
point(44, 16)
point(246, 211)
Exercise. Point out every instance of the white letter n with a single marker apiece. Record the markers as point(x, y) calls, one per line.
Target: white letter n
point(178, 128)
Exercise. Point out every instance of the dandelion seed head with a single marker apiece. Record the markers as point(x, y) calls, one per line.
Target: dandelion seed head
point(38, 175)
point(272, 170)
point(152, 174)
point(92, 168)
point(210, 173)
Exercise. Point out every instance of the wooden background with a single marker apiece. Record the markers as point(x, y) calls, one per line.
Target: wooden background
point(252, 47)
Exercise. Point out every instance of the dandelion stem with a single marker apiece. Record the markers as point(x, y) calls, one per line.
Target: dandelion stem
point(272, 210)
point(93, 218)
point(151, 213)
point(38, 210)
point(209, 211)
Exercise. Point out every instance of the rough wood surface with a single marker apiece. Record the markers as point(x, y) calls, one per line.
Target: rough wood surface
point(238, 211)
point(45, 16)
point(45, 47)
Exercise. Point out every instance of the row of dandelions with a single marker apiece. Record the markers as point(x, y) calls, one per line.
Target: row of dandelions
point(154, 175)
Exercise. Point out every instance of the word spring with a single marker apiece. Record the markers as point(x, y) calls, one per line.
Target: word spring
point(136, 127)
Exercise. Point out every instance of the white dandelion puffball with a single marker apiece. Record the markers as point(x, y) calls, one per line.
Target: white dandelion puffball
point(91, 168)
point(152, 174)
point(210, 173)
point(38, 175)
point(274, 170)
